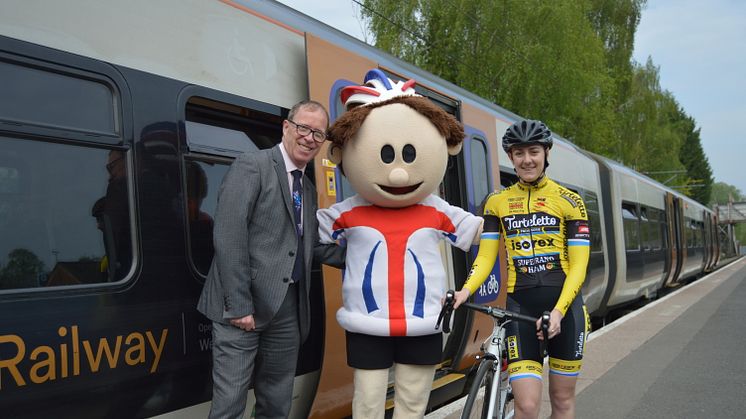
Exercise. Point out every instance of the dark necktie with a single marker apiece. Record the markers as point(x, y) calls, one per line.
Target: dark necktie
point(298, 268)
point(297, 201)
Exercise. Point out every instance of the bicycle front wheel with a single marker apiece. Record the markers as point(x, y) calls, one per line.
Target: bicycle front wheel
point(478, 400)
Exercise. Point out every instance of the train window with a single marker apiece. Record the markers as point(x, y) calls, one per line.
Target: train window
point(64, 215)
point(480, 173)
point(631, 226)
point(594, 220)
point(223, 129)
point(203, 138)
point(448, 104)
point(689, 232)
point(654, 229)
point(56, 99)
point(663, 226)
point(508, 179)
point(203, 179)
point(215, 132)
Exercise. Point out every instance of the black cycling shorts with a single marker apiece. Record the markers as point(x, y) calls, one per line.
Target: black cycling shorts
point(524, 349)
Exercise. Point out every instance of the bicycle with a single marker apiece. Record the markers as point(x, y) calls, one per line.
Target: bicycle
point(492, 372)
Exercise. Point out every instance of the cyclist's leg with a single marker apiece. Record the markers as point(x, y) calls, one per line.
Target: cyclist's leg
point(412, 385)
point(524, 364)
point(527, 397)
point(565, 360)
point(562, 396)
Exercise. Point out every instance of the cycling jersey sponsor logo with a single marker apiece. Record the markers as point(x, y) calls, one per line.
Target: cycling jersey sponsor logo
point(574, 200)
point(515, 199)
point(536, 264)
point(515, 205)
point(512, 347)
point(528, 367)
point(580, 229)
point(579, 345)
point(516, 222)
point(536, 260)
point(530, 244)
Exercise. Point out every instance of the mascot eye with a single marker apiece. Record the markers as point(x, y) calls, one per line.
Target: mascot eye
point(387, 154)
point(409, 153)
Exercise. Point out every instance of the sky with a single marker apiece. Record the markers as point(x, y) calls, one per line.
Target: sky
point(699, 48)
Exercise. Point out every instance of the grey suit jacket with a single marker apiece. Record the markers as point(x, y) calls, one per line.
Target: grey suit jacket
point(255, 243)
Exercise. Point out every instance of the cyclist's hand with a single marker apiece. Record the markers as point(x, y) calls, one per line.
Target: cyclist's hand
point(555, 324)
point(460, 297)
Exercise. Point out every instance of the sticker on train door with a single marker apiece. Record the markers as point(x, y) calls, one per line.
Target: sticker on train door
point(489, 290)
point(331, 183)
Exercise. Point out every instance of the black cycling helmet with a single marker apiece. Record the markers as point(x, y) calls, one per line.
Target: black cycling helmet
point(527, 132)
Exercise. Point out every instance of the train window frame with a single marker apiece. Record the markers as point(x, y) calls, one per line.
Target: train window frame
point(486, 175)
point(221, 112)
point(629, 215)
point(74, 67)
point(84, 137)
point(594, 222)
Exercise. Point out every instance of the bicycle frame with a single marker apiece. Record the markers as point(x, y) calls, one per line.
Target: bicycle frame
point(499, 390)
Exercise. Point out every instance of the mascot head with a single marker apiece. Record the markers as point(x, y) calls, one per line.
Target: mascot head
point(392, 144)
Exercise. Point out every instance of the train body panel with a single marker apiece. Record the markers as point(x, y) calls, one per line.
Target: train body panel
point(144, 106)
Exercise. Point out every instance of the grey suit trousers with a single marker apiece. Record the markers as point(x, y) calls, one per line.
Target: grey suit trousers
point(276, 344)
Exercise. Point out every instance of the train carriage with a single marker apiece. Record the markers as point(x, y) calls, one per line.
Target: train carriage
point(118, 121)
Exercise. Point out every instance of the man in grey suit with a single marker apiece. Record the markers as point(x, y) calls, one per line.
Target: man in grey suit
point(257, 290)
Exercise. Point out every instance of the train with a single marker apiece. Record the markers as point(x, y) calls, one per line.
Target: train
point(118, 121)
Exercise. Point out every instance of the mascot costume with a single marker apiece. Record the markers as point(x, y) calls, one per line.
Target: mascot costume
point(393, 147)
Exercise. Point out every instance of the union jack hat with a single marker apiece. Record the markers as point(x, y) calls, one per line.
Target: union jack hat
point(377, 88)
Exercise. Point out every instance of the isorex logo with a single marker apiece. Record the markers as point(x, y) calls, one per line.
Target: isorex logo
point(512, 347)
point(530, 244)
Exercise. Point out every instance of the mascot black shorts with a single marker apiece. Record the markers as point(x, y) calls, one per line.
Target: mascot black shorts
point(370, 352)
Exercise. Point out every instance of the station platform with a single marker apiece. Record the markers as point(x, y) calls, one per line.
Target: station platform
point(678, 357)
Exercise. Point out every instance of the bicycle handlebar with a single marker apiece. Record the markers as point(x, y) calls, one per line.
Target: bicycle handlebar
point(499, 313)
point(444, 318)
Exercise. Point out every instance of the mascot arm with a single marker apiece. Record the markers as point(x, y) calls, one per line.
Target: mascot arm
point(468, 227)
point(327, 217)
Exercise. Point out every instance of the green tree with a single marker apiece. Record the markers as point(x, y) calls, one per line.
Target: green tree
point(22, 270)
point(566, 62)
point(539, 59)
point(723, 192)
point(692, 155)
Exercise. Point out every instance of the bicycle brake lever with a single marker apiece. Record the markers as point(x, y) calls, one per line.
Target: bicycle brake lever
point(545, 330)
point(444, 317)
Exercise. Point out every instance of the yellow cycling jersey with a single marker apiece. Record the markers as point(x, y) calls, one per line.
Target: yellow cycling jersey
point(545, 227)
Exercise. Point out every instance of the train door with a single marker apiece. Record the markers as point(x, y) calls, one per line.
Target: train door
point(330, 68)
point(681, 229)
point(671, 254)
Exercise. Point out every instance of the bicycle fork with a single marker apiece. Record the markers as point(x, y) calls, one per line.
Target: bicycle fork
point(499, 390)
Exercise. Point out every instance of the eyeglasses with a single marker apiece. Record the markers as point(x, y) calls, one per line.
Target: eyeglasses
point(303, 130)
